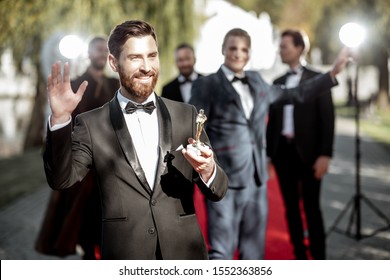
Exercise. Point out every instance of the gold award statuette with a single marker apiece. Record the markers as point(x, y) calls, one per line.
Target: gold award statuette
point(200, 120)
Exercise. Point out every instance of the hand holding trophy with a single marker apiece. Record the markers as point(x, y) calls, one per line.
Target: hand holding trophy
point(200, 120)
point(199, 155)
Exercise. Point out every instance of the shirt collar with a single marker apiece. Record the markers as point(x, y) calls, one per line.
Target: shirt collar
point(192, 77)
point(123, 100)
point(230, 74)
point(297, 70)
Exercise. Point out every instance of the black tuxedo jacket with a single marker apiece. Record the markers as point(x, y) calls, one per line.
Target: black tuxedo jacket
point(172, 90)
point(135, 219)
point(313, 123)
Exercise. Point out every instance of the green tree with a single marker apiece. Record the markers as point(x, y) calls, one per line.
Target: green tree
point(273, 8)
point(374, 15)
point(27, 24)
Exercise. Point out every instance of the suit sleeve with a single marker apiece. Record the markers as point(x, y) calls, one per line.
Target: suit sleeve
point(200, 96)
point(67, 161)
point(327, 120)
point(309, 89)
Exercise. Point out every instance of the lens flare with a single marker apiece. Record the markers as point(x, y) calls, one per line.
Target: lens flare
point(71, 46)
point(352, 34)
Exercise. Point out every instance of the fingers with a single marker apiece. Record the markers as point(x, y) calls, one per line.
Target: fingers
point(319, 171)
point(66, 73)
point(56, 73)
point(55, 77)
point(205, 151)
point(81, 89)
point(319, 174)
point(199, 162)
point(49, 83)
point(204, 157)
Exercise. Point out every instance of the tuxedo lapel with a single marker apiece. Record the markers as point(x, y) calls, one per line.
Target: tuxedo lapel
point(306, 74)
point(177, 91)
point(253, 88)
point(124, 139)
point(165, 141)
point(229, 93)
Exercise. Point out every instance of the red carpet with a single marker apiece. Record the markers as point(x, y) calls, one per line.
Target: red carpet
point(278, 246)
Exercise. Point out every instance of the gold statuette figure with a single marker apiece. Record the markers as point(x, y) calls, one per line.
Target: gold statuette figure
point(200, 120)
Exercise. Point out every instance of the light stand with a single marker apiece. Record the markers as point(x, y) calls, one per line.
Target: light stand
point(356, 200)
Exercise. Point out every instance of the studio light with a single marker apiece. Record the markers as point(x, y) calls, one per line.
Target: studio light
point(71, 46)
point(352, 34)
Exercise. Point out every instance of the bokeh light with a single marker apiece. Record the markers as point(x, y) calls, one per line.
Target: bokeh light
point(71, 46)
point(352, 34)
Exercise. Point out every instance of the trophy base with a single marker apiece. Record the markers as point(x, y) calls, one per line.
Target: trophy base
point(194, 148)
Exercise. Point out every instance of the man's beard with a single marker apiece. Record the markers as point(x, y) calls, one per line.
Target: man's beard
point(138, 89)
point(99, 64)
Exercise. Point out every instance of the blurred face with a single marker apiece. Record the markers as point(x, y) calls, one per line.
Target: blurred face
point(289, 53)
point(185, 61)
point(98, 53)
point(138, 67)
point(236, 52)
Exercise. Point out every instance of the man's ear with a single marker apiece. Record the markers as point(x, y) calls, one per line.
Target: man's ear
point(113, 63)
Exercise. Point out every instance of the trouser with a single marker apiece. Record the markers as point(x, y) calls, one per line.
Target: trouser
point(297, 182)
point(238, 221)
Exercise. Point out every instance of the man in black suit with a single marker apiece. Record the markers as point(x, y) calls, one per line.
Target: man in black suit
point(179, 89)
point(236, 104)
point(300, 144)
point(134, 144)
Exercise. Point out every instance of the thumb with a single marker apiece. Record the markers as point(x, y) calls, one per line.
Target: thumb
point(81, 89)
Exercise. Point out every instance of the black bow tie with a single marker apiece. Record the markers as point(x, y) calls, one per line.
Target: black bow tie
point(132, 107)
point(243, 80)
point(186, 80)
point(291, 72)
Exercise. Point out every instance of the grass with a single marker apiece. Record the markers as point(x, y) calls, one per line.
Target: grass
point(375, 123)
point(378, 127)
point(20, 175)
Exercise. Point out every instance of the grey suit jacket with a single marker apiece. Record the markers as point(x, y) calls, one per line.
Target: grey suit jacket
point(238, 142)
point(136, 219)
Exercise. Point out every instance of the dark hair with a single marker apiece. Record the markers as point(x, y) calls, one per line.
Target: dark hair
point(128, 29)
point(184, 46)
point(299, 38)
point(95, 40)
point(238, 32)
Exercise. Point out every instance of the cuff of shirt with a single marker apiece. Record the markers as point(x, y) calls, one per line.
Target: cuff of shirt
point(211, 180)
point(58, 126)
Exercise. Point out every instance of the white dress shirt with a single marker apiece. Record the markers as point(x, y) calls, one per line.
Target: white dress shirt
point(144, 132)
point(186, 86)
point(243, 91)
point(292, 81)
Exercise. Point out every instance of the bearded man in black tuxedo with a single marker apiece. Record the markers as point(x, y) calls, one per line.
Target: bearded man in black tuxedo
point(134, 144)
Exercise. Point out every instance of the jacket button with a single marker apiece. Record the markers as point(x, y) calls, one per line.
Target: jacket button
point(151, 230)
point(153, 202)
